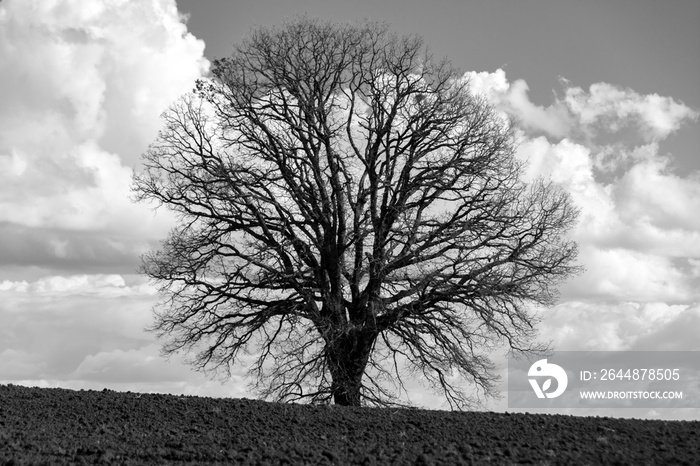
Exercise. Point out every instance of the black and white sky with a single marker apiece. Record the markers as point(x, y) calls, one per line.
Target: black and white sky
point(605, 93)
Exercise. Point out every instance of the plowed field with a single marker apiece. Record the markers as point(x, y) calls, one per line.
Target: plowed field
point(57, 426)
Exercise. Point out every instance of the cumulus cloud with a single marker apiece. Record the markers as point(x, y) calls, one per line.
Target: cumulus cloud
point(630, 230)
point(650, 192)
point(610, 108)
point(83, 88)
point(104, 71)
point(637, 231)
point(513, 99)
point(603, 110)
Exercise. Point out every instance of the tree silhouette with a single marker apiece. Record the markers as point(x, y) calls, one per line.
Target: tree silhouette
point(348, 209)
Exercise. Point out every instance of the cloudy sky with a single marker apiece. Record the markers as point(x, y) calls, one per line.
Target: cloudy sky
point(605, 94)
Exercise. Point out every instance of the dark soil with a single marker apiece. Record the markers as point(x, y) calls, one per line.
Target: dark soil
point(57, 426)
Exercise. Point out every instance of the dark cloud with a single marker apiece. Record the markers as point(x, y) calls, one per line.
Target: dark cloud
point(69, 251)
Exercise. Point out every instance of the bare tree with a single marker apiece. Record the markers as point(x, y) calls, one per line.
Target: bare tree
point(348, 209)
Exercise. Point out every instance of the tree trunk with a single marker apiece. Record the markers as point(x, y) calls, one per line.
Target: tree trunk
point(347, 355)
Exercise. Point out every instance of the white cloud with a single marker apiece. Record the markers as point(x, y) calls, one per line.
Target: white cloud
point(625, 326)
point(623, 275)
point(602, 110)
point(637, 229)
point(83, 88)
point(648, 191)
point(610, 108)
point(104, 71)
point(629, 231)
point(513, 100)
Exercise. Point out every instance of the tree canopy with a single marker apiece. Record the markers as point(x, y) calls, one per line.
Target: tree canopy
point(350, 214)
